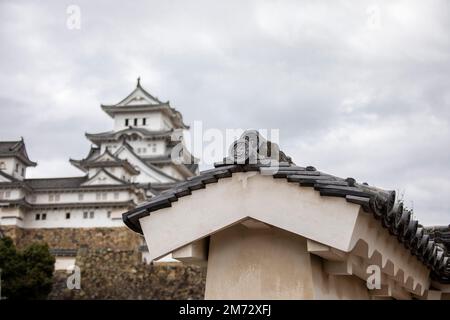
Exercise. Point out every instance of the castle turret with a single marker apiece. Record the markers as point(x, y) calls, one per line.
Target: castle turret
point(14, 159)
point(145, 132)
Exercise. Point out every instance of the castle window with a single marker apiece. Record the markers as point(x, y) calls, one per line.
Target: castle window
point(138, 150)
point(1, 194)
point(33, 198)
point(23, 172)
point(91, 214)
point(127, 122)
point(104, 195)
point(98, 195)
point(56, 197)
point(44, 216)
point(50, 197)
point(17, 167)
point(144, 150)
point(80, 196)
point(144, 121)
point(37, 217)
point(116, 195)
point(85, 215)
point(2, 165)
point(154, 147)
point(7, 194)
point(67, 215)
point(135, 121)
point(108, 214)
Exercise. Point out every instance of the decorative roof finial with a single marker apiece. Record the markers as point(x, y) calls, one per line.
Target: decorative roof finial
point(138, 81)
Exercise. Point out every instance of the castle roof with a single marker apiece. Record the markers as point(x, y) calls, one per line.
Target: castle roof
point(15, 149)
point(72, 183)
point(116, 135)
point(105, 160)
point(166, 159)
point(56, 183)
point(140, 100)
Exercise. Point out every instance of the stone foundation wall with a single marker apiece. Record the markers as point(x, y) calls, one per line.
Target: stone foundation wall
point(13, 232)
point(111, 265)
point(120, 238)
point(109, 274)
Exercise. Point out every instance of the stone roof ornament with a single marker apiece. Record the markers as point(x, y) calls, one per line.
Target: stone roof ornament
point(138, 81)
point(253, 148)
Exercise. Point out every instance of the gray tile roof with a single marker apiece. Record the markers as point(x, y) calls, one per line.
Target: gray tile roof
point(115, 134)
point(56, 183)
point(380, 203)
point(440, 234)
point(15, 149)
point(157, 105)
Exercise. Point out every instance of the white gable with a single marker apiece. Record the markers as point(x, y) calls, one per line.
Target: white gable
point(147, 174)
point(101, 178)
point(104, 157)
point(138, 97)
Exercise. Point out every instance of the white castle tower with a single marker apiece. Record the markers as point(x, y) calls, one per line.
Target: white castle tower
point(124, 167)
point(139, 147)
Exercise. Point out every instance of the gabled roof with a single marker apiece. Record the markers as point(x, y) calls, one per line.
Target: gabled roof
point(141, 100)
point(106, 160)
point(149, 165)
point(139, 96)
point(166, 159)
point(56, 183)
point(15, 149)
point(380, 203)
point(93, 153)
point(120, 181)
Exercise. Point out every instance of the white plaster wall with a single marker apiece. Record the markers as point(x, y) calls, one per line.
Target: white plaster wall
point(301, 210)
point(11, 216)
point(57, 218)
point(64, 263)
point(10, 169)
point(248, 263)
point(153, 122)
point(332, 287)
point(170, 170)
point(88, 196)
point(14, 193)
point(140, 145)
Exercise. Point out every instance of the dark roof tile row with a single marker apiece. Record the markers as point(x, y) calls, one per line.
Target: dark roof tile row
point(380, 203)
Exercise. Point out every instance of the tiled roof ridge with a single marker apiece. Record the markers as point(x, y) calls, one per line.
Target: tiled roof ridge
point(55, 178)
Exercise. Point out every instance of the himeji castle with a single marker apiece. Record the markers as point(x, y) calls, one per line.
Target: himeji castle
point(125, 166)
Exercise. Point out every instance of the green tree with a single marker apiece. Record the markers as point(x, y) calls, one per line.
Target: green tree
point(25, 274)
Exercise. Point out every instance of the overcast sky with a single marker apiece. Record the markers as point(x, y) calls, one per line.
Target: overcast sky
point(358, 89)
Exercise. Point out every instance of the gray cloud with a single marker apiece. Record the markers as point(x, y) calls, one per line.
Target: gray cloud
point(355, 89)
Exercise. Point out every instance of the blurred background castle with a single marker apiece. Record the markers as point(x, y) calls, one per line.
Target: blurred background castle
point(80, 218)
